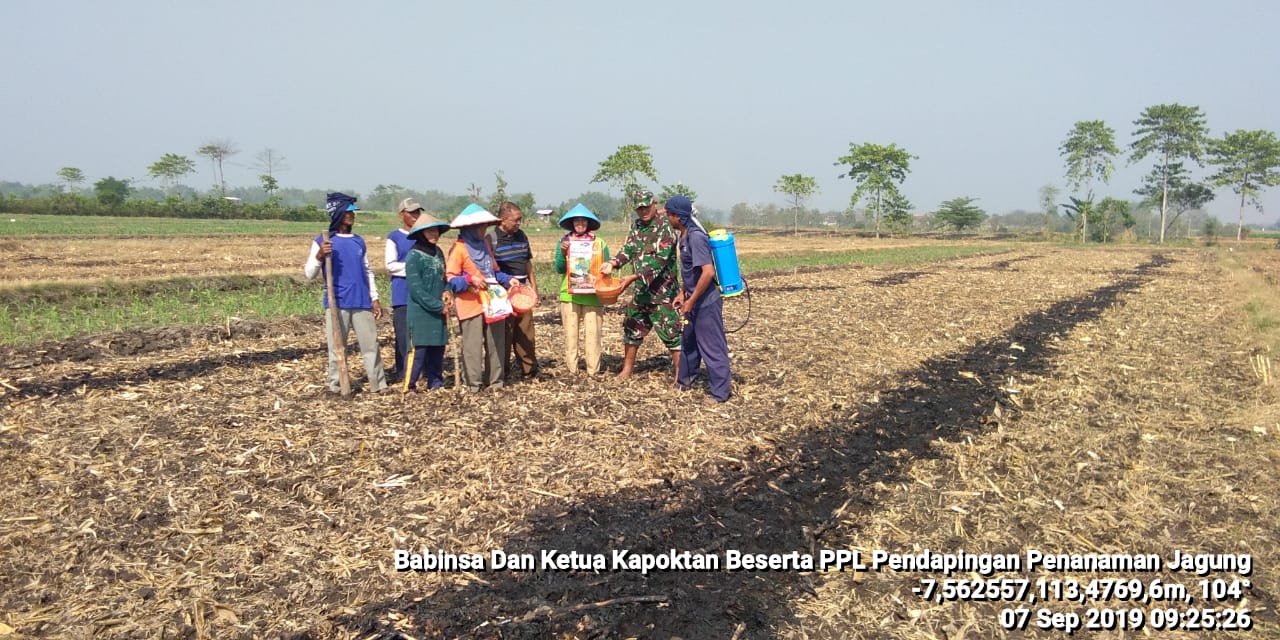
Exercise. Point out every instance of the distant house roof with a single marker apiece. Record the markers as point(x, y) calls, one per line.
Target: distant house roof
point(545, 212)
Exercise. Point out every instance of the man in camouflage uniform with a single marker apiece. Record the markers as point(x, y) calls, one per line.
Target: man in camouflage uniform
point(651, 247)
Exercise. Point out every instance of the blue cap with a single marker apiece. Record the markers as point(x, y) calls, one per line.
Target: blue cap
point(352, 207)
point(579, 211)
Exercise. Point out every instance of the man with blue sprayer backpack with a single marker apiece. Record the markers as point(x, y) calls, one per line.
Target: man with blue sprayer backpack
point(699, 303)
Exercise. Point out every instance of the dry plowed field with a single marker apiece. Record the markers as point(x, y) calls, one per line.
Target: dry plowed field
point(198, 483)
point(35, 260)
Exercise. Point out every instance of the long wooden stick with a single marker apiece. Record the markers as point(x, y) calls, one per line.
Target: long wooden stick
point(457, 359)
point(339, 340)
point(408, 364)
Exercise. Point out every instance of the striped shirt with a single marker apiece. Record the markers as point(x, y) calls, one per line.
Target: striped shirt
point(512, 251)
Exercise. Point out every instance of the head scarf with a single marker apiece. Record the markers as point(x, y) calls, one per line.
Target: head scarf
point(477, 248)
point(420, 243)
point(419, 236)
point(682, 207)
point(336, 204)
point(471, 224)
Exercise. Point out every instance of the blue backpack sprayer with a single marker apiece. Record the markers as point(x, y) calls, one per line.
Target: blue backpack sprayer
point(724, 257)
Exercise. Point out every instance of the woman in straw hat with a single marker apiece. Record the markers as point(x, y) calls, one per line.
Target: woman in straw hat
point(478, 287)
point(428, 301)
point(579, 258)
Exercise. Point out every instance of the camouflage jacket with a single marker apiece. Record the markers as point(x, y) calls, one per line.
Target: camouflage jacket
point(652, 249)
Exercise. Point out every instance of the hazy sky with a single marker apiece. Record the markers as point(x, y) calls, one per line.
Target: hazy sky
point(728, 94)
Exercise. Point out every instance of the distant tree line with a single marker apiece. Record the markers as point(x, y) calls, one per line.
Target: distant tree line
point(111, 197)
point(1174, 136)
point(267, 200)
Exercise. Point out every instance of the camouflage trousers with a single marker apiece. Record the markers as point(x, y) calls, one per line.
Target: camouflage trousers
point(643, 315)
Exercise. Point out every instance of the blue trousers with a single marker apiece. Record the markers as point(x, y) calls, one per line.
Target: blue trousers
point(431, 360)
point(703, 341)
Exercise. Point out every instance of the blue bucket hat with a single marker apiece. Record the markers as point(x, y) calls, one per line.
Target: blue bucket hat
point(579, 211)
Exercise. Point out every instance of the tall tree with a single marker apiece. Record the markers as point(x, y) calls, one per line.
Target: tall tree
point(624, 168)
point(678, 189)
point(743, 215)
point(499, 192)
point(1247, 162)
point(960, 213)
point(1109, 215)
point(170, 168)
point(269, 162)
point(897, 211)
point(1173, 185)
point(1049, 204)
point(877, 170)
point(1172, 132)
point(1090, 149)
point(525, 200)
point(217, 151)
point(799, 188)
point(385, 197)
point(604, 205)
point(71, 176)
point(269, 184)
point(1210, 229)
point(111, 191)
point(1079, 210)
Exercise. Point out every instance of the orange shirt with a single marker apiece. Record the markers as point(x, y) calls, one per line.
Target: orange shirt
point(466, 304)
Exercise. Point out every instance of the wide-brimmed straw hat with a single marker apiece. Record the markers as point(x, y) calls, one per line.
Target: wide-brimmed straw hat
point(427, 221)
point(473, 215)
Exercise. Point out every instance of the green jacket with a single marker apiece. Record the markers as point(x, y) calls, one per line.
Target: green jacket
point(428, 326)
point(562, 268)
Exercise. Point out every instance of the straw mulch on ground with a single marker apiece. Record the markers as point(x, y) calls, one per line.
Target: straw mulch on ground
point(1075, 402)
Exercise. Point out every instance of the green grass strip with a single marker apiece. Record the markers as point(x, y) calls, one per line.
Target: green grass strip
point(868, 257)
point(36, 314)
point(37, 320)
